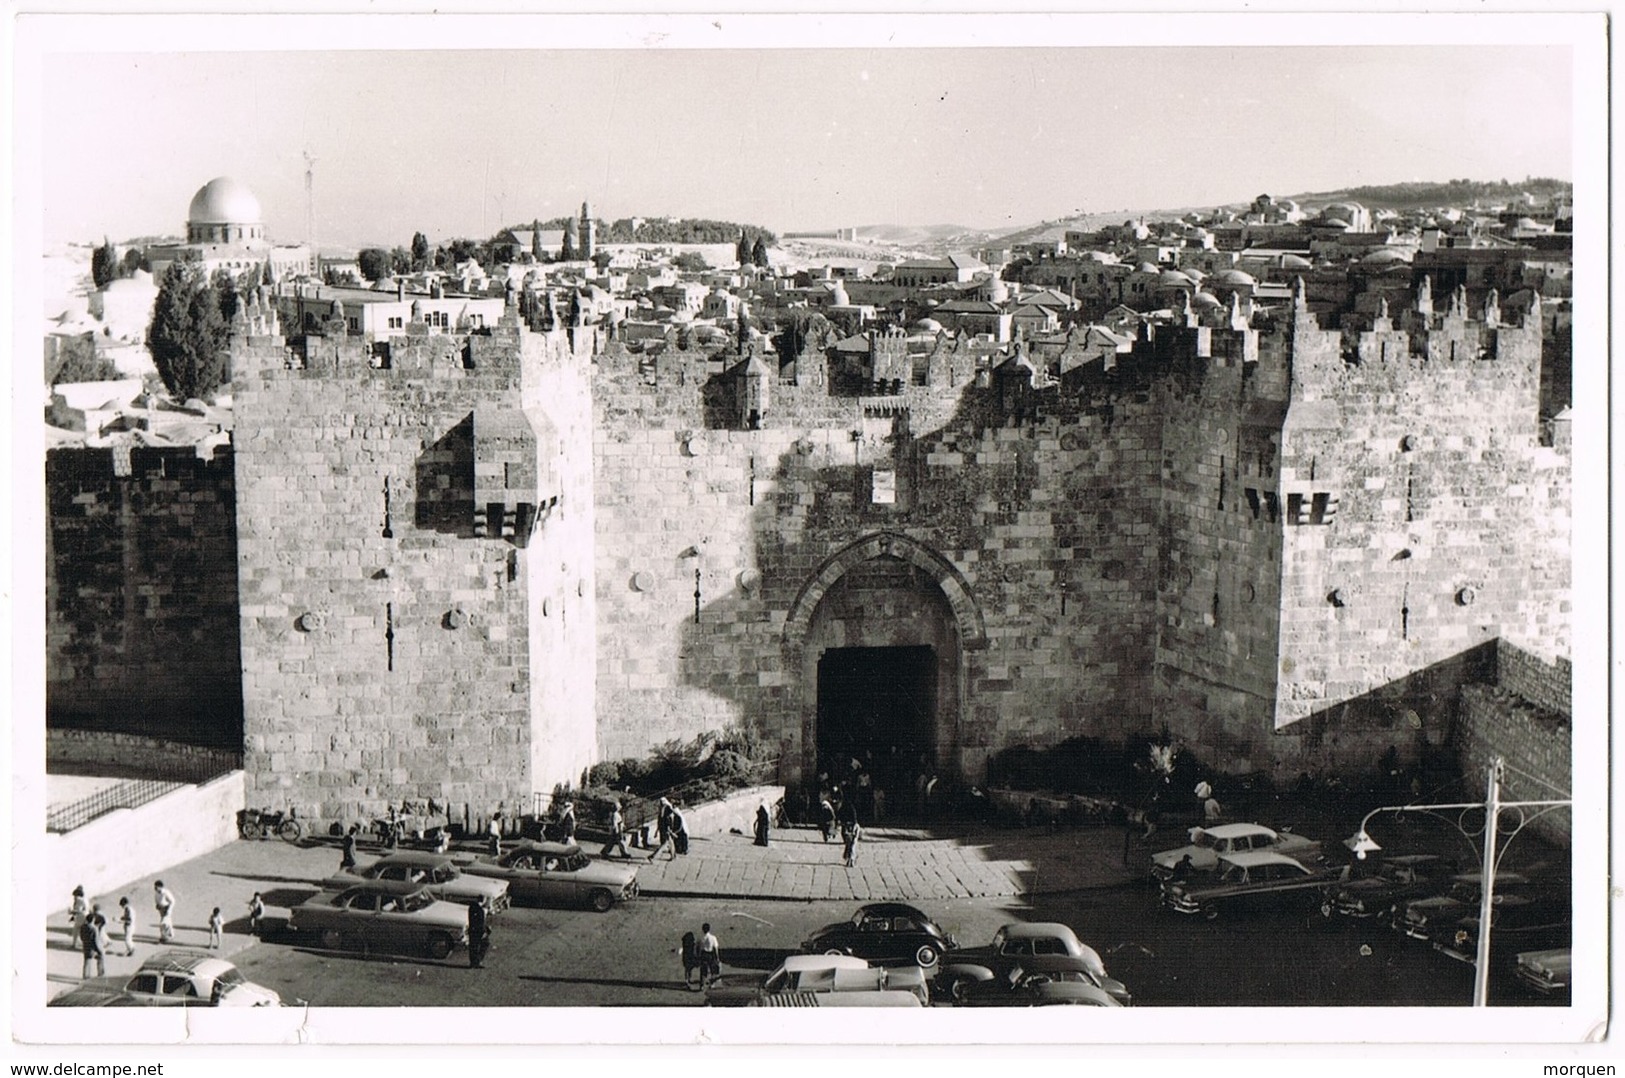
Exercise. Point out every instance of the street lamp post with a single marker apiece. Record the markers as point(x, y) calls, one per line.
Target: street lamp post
point(1361, 843)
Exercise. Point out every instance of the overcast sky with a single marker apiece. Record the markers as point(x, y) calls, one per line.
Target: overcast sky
point(460, 142)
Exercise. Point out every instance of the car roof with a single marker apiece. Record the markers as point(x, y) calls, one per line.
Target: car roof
point(414, 857)
point(1076, 990)
point(893, 909)
point(800, 963)
point(556, 849)
point(1052, 963)
point(386, 887)
point(1235, 830)
point(1252, 858)
point(185, 962)
point(1031, 929)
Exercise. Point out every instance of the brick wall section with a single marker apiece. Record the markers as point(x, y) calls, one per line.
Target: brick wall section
point(1545, 683)
point(141, 594)
point(1534, 740)
point(387, 649)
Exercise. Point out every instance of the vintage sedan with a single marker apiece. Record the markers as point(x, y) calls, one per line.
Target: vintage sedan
point(1016, 943)
point(1208, 844)
point(1253, 880)
point(1518, 922)
point(1034, 981)
point(557, 873)
point(173, 979)
point(383, 916)
point(1420, 918)
point(1395, 880)
point(884, 932)
point(444, 879)
point(815, 973)
point(1547, 973)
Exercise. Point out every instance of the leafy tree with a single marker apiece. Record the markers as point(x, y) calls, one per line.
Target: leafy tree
point(536, 240)
point(134, 259)
point(691, 262)
point(742, 249)
point(420, 250)
point(191, 329)
point(78, 361)
point(103, 264)
point(373, 262)
point(400, 260)
point(568, 252)
point(758, 253)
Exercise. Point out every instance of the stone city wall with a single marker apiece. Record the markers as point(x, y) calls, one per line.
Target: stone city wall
point(141, 593)
point(1496, 721)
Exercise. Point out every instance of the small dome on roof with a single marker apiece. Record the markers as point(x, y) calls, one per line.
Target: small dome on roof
point(223, 201)
point(1296, 262)
point(1334, 222)
point(1194, 273)
point(1385, 256)
point(1233, 278)
point(926, 325)
point(1147, 267)
point(1099, 256)
point(1175, 279)
point(1204, 300)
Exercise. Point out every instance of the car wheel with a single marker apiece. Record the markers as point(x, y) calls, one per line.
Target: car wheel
point(332, 939)
point(439, 946)
point(835, 950)
point(1211, 913)
point(926, 955)
point(959, 989)
point(602, 900)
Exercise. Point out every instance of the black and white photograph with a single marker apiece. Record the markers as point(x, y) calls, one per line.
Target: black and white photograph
point(560, 529)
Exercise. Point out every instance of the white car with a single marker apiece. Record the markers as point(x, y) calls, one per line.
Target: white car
point(817, 973)
point(174, 979)
point(1208, 844)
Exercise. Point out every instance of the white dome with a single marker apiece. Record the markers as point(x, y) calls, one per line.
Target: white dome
point(223, 201)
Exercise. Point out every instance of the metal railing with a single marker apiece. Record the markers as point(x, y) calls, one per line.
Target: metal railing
point(131, 793)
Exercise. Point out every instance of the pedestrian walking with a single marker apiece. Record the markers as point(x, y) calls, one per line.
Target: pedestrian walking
point(679, 834)
point(617, 833)
point(256, 913)
point(764, 824)
point(710, 952)
point(77, 909)
point(126, 919)
point(93, 941)
point(217, 925)
point(1212, 811)
point(347, 857)
point(690, 948)
point(850, 833)
point(567, 822)
point(479, 935)
point(163, 900)
point(663, 827)
point(826, 817)
point(494, 833)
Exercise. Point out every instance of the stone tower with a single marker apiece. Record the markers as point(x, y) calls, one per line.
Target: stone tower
point(587, 234)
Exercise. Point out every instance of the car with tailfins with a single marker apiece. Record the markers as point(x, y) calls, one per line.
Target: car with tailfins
point(1208, 844)
point(384, 916)
point(816, 973)
point(1258, 879)
point(437, 872)
point(1422, 918)
point(1548, 972)
point(173, 979)
point(1037, 980)
point(884, 932)
point(1393, 880)
point(1518, 922)
point(558, 874)
point(1011, 946)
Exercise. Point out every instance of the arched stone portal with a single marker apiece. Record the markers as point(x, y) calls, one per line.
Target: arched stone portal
point(878, 637)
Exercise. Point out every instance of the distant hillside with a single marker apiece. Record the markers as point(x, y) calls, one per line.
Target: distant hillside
point(926, 237)
point(1422, 195)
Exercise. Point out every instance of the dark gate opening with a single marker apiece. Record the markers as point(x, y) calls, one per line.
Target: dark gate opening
point(878, 706)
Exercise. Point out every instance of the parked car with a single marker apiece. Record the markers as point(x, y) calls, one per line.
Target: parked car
point(173, 979)
point(884, 932)
point(1208, 844)
point(1252, 880)
point(1518, 922)
point(816, 973)
point(383, 915)
point(437, 872)
point(1547, 973)
point(839, 999)
point(1036, 980)
point(557, 873)
point(1015, 943)
point(1394, 880)
point(1419, 917)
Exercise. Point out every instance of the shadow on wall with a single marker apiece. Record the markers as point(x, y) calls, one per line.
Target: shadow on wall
point(445, 483)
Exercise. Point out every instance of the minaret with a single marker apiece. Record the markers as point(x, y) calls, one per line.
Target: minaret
point(587, 235)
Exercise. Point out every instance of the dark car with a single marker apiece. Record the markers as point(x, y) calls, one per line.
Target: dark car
point(1518, 922)
point(1252, 880)
point(382, 916)
point(1547, 973)
point(1420, 917)
point(1394, 880)
point(1034, 981)
point(1017, 943)
point(556, 873)
point(884, 932)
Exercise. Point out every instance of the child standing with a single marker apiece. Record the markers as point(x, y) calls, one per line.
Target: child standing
point(77, 909)
point(216, 924)
point(256, 913)
point(126, 918)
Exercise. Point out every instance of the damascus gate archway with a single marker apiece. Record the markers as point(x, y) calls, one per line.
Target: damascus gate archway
point(878, 638)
